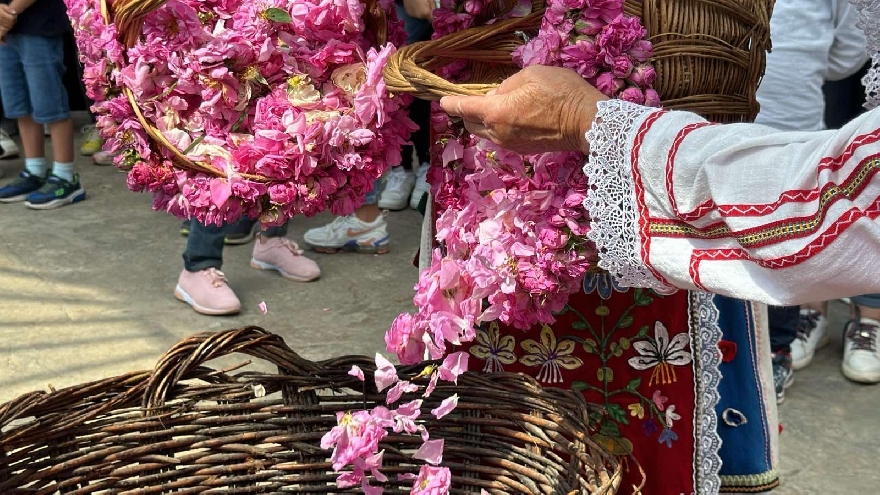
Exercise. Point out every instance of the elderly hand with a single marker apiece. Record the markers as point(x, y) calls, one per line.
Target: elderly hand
point(420, 9)
point(537, 110)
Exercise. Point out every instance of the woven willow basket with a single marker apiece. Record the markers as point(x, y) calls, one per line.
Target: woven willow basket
point(709, 54)
point(187, 428)
point(128, 15)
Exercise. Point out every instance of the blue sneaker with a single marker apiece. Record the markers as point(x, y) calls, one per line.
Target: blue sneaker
point(22, 187)
point(55, 193)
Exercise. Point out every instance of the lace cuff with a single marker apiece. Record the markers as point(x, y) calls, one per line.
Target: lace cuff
point(869, 22)
point(611, 198)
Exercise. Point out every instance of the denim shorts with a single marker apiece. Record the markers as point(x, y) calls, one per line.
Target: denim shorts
point(31, 78)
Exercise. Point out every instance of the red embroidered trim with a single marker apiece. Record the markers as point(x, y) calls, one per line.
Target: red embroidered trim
point(708, 205)
point(818, 245)
point(791, 196)
point(831, 193)
point(644, 215)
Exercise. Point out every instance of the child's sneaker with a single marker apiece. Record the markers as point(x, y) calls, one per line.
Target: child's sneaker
point(350, 233)
point(783, 375)
point(55, 193)
point(398, 189)
point(92, 142)
point(8, 148)
point(812, 335)
point(861, 355)
point(102, 158)
point(207, 292)
point(282, 255)
point(22, 187)
point(421, 188)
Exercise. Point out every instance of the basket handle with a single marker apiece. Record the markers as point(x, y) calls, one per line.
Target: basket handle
point(194, 351)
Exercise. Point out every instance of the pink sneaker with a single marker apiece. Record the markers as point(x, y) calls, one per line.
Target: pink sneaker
point(285, 257)
point(207, 292)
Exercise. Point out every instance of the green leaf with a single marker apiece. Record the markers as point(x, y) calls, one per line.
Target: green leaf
point(644, 301)
point(625, 322)
point(562, 311)
point(239, 121)
point(275, 14)
point(634, 384)
point(590, 346)
point(579, 325)
point(616, 412)
point(643, 332)
point(603, 311)
point(616, 350)
point(609, 429)
point(624, 343)
point(605, 374)
point(579, 386)
point(193, 145)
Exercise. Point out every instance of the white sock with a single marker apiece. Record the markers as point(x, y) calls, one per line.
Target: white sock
point(36, 166)
point(63, 170)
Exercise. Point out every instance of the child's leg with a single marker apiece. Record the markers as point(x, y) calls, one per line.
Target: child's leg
point(43, 61)
point(17, 103)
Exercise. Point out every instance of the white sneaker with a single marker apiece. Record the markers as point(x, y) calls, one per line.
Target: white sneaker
point(350, 233)
point(398, 187)
point(422, 187)
point(861, 357)
point(812, 335)
point(9, 148)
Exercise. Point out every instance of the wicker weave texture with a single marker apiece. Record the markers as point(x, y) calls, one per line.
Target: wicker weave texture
point(709, 55)
point(186, 428)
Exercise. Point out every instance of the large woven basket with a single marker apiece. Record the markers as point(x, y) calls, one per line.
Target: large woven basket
point(709, 54)
point(187, 428)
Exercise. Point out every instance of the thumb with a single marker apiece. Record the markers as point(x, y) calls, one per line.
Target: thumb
point(470, 108)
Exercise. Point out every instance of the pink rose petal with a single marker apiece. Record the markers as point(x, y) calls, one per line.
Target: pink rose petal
point(386, 373)
point(445, 407)
point(430, 452)
point(357, 372)
point(263, 307)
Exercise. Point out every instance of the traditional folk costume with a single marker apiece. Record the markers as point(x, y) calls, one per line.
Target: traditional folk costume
point(740, 210)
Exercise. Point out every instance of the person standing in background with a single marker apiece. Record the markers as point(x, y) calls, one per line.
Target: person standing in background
point(31, 84)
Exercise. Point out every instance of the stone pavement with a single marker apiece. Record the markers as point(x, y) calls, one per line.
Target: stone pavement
point(86, 293)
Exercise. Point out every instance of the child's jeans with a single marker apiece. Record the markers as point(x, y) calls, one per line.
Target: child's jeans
point(31, 78)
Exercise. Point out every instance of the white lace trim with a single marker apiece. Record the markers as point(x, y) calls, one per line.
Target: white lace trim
point(869, 22)
point(707, 441)
point(611, 198)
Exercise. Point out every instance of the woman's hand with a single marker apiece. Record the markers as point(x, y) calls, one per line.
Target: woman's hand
point(537, 110)
point(420, 9)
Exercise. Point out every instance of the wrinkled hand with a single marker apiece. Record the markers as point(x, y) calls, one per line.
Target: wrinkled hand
point(537, 110)
point(420, 9)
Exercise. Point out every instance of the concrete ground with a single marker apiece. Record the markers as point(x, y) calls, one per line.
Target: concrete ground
point(86, 293)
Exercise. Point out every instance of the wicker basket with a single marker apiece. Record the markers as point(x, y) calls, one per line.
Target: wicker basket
point(127, 16)
point(186, 428)
point(709, 54)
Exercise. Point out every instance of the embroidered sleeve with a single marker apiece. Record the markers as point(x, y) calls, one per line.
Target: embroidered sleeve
point(742, 210)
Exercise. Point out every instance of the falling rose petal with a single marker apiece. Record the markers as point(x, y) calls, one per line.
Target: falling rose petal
point(406, 477)
point(357, 372)
point(397, 391)
point(446, 406)
point(220, 192)
point(371, 490)
point(432, 384)
point(453, 151)
point(263, 307)
point(430, 452)
point(386, 373)
point(453, 366)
